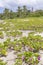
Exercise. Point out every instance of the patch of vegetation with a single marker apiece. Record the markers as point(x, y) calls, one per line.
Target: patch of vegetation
point(2, 63)
point(1, 35)
point(33, 23)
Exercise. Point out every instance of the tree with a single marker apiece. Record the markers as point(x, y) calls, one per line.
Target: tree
point(25, 11)
point(19, 11)
point(11, 14)
point(6, 13)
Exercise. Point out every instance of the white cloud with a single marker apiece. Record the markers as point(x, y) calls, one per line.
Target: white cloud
point(12, 4)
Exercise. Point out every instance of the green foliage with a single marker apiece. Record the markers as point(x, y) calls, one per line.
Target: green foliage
point(1, 35)
point(14, 34)
point(33, 23)
point(27, 57)
point(22, 12)
point(31, 56)
point(18, 62)
point(2, 63)
point(2, 50)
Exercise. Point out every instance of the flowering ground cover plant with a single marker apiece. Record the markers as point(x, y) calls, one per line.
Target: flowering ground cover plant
point(26, 47)
point(21, 32)
point(29, 58)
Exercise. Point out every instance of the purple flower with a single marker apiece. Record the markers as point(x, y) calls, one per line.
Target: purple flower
point(39, 58)
point(30, 59)
point(23, 57)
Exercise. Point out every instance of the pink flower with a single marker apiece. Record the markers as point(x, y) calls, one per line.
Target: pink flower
point(30, 49)
point(23, 57)
point(30, 59)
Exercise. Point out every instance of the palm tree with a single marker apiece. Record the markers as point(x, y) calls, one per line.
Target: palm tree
point(25, 10)
point(6, 13)
point(19, 11)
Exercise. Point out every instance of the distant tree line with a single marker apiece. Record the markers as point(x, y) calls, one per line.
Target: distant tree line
point(21, 13)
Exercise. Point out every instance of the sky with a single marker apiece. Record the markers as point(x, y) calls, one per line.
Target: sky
point(13, 4)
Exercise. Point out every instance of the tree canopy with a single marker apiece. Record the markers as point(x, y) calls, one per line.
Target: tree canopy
point(21, 13)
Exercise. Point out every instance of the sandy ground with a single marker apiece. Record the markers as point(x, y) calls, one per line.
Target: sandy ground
point(10, 58)
point(24, 33)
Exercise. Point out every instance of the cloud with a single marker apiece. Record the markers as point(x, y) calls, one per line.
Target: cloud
point(13, 4)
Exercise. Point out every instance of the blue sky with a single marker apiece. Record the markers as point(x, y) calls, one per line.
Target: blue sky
point(13, 4)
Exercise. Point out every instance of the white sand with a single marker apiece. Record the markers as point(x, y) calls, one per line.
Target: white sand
point(41, 55)
point(10, 59)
